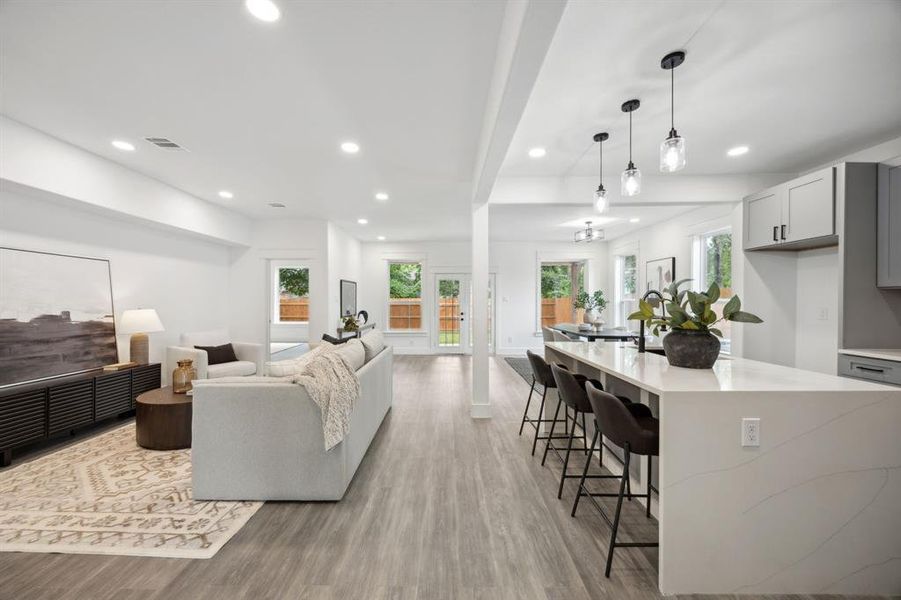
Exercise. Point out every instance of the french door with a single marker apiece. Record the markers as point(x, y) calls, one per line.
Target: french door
point(452, 296)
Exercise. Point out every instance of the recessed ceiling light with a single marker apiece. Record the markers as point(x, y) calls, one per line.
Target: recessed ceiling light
point(738, 151)
point(537, 152)
point(350, 147)
point(276, 205)
point(362, 221)
point(634, 220)
point(381, 238)
point(226, 194)
point(381, 196)
point(264, 10)
point(123, 145)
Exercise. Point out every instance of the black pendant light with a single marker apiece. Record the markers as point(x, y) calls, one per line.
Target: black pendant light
point(600, 196)
point(672, 149)
point(631, 177)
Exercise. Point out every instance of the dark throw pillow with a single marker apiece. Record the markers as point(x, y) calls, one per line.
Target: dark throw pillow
point(216, 355)
point(333, 340)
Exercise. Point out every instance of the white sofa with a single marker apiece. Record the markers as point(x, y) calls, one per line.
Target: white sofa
point(250, 356)
point(263, 441)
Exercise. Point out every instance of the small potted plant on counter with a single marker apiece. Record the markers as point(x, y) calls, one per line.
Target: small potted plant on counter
point(693, 338)
point(593, 305)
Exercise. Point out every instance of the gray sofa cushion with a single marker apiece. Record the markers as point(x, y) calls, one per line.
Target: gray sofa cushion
point(231, 369)
point(353, 353)
point(373, 343)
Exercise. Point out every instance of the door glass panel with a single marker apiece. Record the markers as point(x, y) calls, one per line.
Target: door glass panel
point(449, 315)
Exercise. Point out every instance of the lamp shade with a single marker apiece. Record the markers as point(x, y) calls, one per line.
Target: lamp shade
point(140, 320)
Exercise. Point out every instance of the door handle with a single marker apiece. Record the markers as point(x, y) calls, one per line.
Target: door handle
point(775, 234)
point(783, 232)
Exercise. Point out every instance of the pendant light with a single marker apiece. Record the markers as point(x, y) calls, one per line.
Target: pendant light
point(600, 196)
point(672, 149)
point(631, 177)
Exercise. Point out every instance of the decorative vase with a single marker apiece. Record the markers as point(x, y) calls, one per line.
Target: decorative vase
point(183, 376)
point(590, 316)
point(691, 349)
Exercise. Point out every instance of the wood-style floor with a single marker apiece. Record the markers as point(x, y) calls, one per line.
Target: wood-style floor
point(443, 506)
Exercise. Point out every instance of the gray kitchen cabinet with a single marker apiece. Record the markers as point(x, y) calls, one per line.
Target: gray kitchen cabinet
point(888, 234)
point(794, 215)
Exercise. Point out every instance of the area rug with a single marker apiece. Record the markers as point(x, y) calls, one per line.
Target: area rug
point(107, 495)
point(521, 366)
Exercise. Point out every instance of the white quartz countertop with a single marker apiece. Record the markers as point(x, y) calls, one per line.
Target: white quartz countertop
point(881, 353)
point(653, 373)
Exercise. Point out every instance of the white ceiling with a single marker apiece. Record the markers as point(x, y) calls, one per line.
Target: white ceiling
point(262, 108)
point(800, 83)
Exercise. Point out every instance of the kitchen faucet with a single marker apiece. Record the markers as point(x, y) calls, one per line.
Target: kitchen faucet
point(647, 294)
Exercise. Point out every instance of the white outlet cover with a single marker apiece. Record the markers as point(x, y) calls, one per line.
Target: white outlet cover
point(750, 432)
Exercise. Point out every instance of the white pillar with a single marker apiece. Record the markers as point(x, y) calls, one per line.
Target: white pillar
point(480, 403)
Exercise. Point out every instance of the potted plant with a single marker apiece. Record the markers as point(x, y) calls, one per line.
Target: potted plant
point(693, 338)
point(593, 304)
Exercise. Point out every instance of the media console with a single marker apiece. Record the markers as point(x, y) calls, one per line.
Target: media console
point(32, 412)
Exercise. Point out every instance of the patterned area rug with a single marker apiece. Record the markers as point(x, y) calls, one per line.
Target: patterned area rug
point(521, 366)
point(107, 495)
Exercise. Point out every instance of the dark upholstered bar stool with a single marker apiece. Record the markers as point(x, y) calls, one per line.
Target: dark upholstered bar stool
point(541, 375)
point(636, 431)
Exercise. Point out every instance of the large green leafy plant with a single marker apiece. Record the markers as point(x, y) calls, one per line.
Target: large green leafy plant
point(692, 311)
point(595, 301)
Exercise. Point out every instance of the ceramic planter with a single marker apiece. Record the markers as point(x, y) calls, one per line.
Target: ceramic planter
point(691, 349)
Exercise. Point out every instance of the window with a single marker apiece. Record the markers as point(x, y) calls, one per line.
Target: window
point(292, 294)
point(560, 282)
point(405, 296)
point(625, 293)
point(713, 264)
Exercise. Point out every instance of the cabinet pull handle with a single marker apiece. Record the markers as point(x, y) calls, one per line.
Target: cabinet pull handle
point(870, 369)
point(775, 236)
point(783, 232)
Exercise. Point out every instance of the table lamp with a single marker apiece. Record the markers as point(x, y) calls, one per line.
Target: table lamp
point(139, 322)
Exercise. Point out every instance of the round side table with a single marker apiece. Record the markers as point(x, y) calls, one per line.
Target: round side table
point(163, 420)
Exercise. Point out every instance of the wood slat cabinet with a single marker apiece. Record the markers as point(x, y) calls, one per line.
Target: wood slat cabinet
point(888, 234)
point(793, 215)
point(36, 411)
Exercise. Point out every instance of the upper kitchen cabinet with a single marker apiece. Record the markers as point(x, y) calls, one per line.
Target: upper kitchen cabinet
point(794, 215)
point(888, 235)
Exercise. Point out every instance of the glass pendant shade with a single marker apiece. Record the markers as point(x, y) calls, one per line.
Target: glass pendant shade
point(631, 181)
point(672, 153)
point(600, 200)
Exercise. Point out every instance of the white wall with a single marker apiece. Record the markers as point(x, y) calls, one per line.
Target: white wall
point(514, 266)
point(343, 263)
point(249, 308)
point(816, 318)
point(184, 279)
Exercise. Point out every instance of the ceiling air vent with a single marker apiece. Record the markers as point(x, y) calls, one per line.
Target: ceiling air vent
point(276, 205)
point(165, 143)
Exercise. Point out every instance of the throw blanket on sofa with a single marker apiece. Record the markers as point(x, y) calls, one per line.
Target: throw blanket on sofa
point(334, 387)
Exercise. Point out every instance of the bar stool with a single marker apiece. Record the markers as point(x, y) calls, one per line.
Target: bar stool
point(541, 374)
point(632, 428)
point(571, 389)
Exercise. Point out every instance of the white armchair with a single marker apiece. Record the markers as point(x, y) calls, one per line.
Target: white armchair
point(250, 356)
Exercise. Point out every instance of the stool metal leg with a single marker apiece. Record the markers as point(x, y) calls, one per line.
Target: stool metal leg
point(648, 513)
point(584, 436)
point(594, 441)
point(540, 418)
point(619, 507)
point(569, 447)
point(550, 435)
point(525, 413)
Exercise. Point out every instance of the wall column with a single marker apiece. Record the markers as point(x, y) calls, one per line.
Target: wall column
point(480, 408)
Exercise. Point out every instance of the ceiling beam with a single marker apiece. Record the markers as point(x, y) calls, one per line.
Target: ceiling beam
point(526, 34)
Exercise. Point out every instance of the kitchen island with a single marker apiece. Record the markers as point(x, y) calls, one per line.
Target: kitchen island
point(815, 508)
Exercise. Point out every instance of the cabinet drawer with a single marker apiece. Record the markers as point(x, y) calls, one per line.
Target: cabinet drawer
point(71, 406)
point(871, 369)
point(113, 395)
point(22, 418)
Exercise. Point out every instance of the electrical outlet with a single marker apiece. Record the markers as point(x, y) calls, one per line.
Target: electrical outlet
point(822, 314)
point(750, 431)
point(509, 339)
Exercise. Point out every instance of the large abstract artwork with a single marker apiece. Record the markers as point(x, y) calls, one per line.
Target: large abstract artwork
point(56, 315)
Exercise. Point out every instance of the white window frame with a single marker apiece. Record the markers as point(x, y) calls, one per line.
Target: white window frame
point(424, 315)
point(619, 295)
point(275, 291)
point(699, 264)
